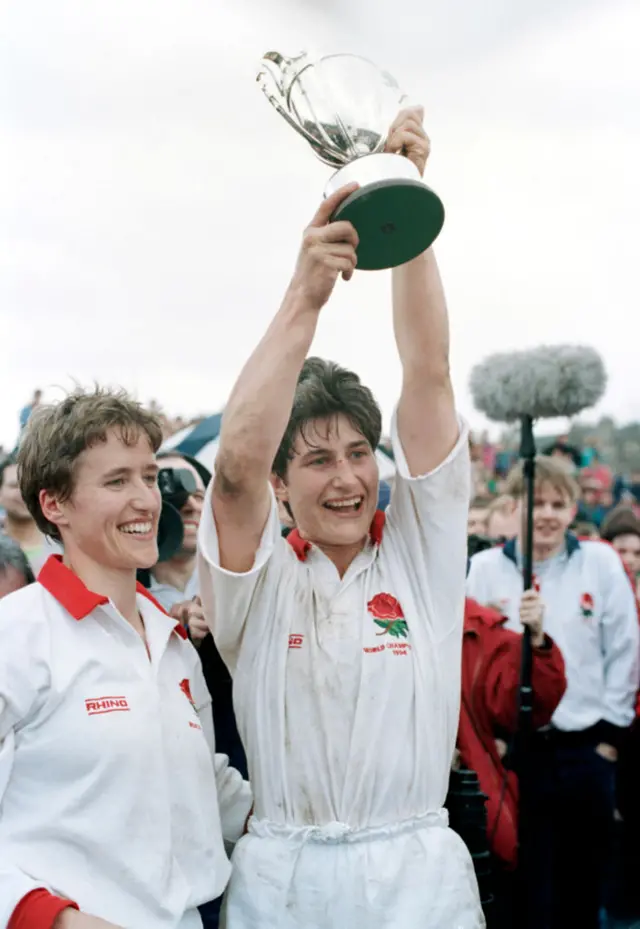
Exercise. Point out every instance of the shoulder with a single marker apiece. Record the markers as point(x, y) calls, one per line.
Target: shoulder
point(25, 623)
point(453, 472)
point(492, 558)
point(596, 552)
point(27, 606)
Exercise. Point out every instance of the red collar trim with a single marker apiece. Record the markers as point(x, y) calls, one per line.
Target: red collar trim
point(76, 598)
point(302, 547)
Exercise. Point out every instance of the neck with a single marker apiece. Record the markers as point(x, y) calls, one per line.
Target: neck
point(342, 556)
point(118, 585)
point(176, 572)
point(24, 532)
point(544, 552)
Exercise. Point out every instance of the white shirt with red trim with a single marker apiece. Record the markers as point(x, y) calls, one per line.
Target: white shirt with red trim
point(111, 794)
point(590, 612)
point(347, 696)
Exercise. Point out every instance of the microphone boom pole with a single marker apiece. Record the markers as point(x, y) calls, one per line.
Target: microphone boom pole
point(524, 386)
point(528, 455)
point(524, 735)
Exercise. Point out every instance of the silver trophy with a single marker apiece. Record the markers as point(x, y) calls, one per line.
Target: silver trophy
point(343, 105)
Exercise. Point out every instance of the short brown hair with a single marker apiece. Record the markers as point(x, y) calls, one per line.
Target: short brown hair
point(619, 521)
point(553, 471)
point(56, 436)
point(325, 389)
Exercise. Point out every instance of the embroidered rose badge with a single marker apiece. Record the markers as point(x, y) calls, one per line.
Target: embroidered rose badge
point(387, 613)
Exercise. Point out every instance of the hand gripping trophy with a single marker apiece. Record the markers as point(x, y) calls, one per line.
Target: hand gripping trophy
point(343, 106)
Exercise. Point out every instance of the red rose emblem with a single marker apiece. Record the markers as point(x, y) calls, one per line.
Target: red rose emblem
point(586, 606)
point(384, 606)
point(185, 687)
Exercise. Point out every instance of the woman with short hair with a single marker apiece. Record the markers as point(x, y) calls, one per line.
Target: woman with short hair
point(109, 811)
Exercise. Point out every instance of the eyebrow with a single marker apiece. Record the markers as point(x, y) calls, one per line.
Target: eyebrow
point(352, 446)
point(117, 472)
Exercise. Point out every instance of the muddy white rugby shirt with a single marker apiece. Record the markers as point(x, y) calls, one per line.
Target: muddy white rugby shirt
point(347, 693)
point(108, 775)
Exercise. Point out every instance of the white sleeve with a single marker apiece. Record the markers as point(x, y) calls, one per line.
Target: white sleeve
point(227, 597)
point(24, 684)
point(620, 639)
point(427, 521)
point(234, 799)
point(234, 793)
point(478, 580)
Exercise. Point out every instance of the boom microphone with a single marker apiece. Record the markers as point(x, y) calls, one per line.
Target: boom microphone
point(540, 383)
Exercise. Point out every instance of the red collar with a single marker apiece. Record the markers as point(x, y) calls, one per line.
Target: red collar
point(67, 588)
point(475, 614)
point(302, 547)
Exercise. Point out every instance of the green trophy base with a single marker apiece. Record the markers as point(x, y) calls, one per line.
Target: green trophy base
point(396, 219)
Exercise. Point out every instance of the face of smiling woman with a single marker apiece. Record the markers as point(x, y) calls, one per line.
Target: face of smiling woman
point(111, 518)
point(331, 485)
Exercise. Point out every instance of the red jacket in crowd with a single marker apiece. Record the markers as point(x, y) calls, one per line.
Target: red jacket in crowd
point(489, 710)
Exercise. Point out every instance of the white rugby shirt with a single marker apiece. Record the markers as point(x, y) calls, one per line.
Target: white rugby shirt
point(590, 612)
point(109, 786)
point(347, 694)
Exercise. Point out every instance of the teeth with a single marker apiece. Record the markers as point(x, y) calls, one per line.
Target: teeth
point(136, 528)
point(342, 504)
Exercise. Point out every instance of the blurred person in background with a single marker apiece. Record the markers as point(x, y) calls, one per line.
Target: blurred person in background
point(504, 460)
point(113, 802)
point(15, 570)
point(561, 449)
point(622, 529)
point(491, 660)
point(585, 530)
point(19, 524)
point(478, 516)
point(503, 519)
point(591, 614)
point(175, 581)
point(27, 410)
point(595, 500)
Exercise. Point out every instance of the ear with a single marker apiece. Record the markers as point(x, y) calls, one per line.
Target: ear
point(280, 488)
point(52, 509)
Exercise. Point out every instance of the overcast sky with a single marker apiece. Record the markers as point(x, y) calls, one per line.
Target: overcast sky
point(151, 202)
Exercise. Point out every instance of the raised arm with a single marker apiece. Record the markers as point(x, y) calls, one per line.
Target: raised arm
point(259, 407)
point(427, 422)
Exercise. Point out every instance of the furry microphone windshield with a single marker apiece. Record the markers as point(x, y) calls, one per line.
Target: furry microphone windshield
point(540, 383)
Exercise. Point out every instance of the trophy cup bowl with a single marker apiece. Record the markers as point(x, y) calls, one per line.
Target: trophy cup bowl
point(343, 105)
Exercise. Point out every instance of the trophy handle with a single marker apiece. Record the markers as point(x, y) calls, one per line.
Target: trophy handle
point(272, 89)
point(276, 98)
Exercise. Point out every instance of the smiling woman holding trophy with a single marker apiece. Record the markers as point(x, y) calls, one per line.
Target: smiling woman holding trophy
point(344, 639)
